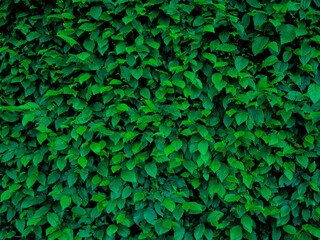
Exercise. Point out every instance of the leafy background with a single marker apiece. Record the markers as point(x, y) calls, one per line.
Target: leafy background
point(159, 119)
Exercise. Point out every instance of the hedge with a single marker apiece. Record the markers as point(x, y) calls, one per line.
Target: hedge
point(181, 119)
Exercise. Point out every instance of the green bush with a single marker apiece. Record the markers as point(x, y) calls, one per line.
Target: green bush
point(159, 119)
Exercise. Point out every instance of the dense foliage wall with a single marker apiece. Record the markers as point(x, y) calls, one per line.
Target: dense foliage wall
point(158, 119)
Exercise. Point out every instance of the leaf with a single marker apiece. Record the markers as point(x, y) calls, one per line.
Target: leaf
point(236, 233)
point(33, 35)
point(53, 219)
point(314, 92)
point(241, 63)
point(287, 33)
point(290, 229)
point(203, 147)
point(218, 82)
point(83, 56)
point(138, 196)
point(129, 176)
point(151, 169)
point(89, 45)
point(112, 229)
point(82, 161)
point(97, 147)
point(199, 231)
point(169, 204)
point(61, 163)
point(211, 57)
point(68, 39)
point(123, 107)
point(65, 201)
point(95, 12)
point(89, 27)
point(153, 44)
point(150, 215)
point(137, 73)
point(302, 160)
point(169, 149)
point(6, 195)
point(259, 43)
point(226, 47)
point(247, 223)
point(131, 60)
point(177, 143)
point(190, 75)
point(254, 3)
point(31, 181)
point(314, 231)
point(27, 118)
point(241, 117)
point(247, 179)
point(84, 77)
point(266, 193)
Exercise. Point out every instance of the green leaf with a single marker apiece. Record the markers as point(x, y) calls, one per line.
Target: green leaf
point(254, 3)
point(112, 229)
point(226, 47)
point(150, 215)
point(259, 43)
point(61, 163)
point(247, 179)
point(82, 161)
point(123, 107)
point(81, 129)
point(138, 196)
point(151, 169)
point(203, 147)
point(236, 233)
point(83, 56)
point(290, 229)
point(314, 92)
point(218, 82)
point(199, 231)
point(287, 33)
point(137, 73)
point(236, 164)
point(129, 176)
point(302, 160)
point(65, 201)
point(27, 118)
point(190, 75)
point(177, 143)
point(97, 147)
point(241, 63)
point(89, 27)
point(314, 231)
point(95, 12)
point(31, 181)
point(89, 45)
point(247, 223)
point(241, 117)
point(169, 149)
point(68, 39)
point(6, 195)
point(53, 219)
point(198, 21)
point(84, 77)
point(266, 193)
point(211, 57)
point(154, 45)
point(131, 60)
point(169, 204)
point(33, 35)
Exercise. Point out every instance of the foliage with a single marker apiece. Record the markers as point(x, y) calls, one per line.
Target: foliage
point(159, 119)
